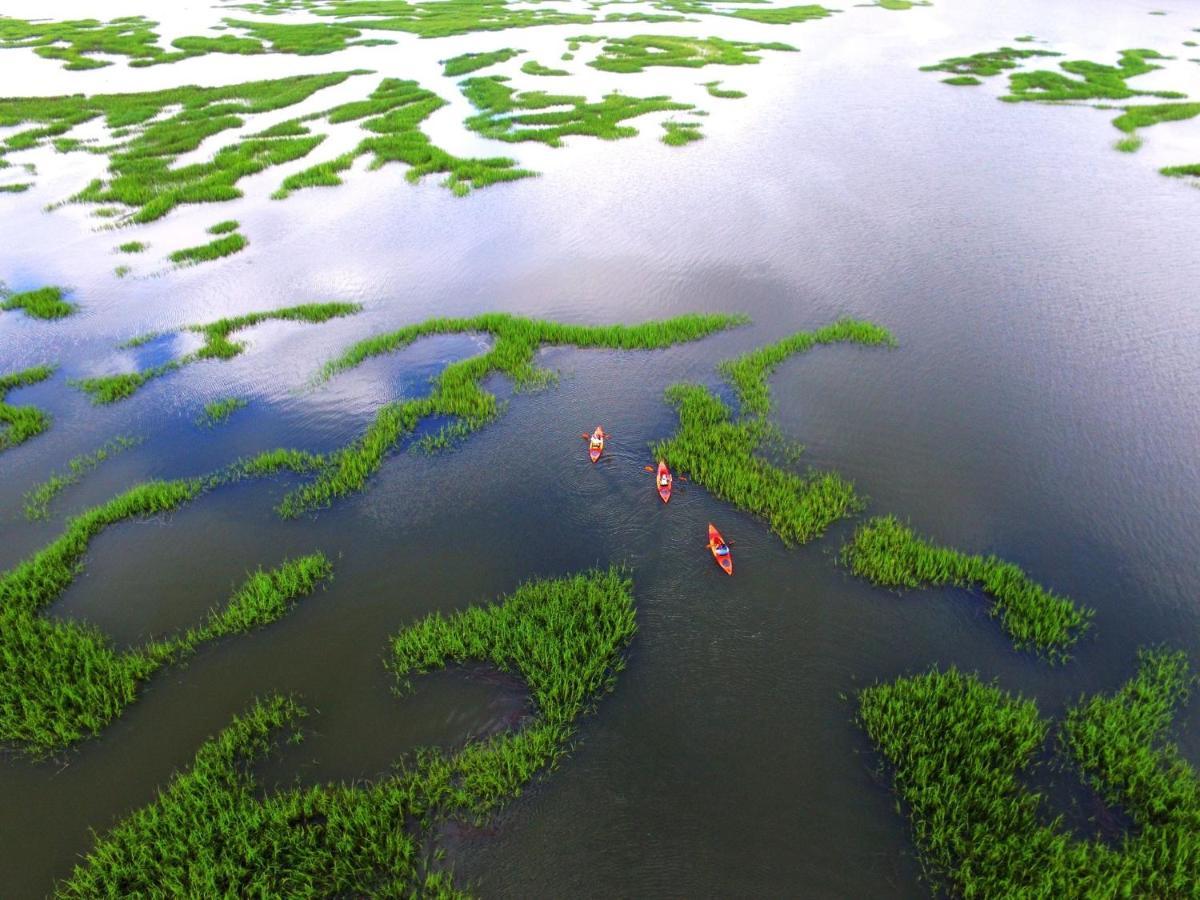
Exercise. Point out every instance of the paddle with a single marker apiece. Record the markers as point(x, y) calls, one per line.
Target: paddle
point(653, 469)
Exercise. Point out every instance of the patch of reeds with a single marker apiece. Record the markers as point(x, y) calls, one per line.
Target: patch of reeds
point(1095, 81)
point(215, 828)
point(465, 63)
point(62, 681)
point(782, 15)
point(104, 389)
point(218, 411)
point(680, 133)
point(21, 422)
point(715, 90)
point(959, 751)
point(133, 247)
point(224, 227)
point(533, 67)
point(640, 51)
point(888, 553)
point(987, 64)
point(225, 246)
point(722, 453)
point(38, 498)
point(41, 303)
point(456, 392)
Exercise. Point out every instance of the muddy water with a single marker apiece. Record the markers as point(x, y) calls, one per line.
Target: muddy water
point(1042, 405)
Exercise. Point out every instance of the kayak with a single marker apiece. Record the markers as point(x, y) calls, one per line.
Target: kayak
point(664, 490)
point(596, 444)
point(724, 560)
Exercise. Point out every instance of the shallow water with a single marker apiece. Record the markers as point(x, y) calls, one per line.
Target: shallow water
point(1042, 405)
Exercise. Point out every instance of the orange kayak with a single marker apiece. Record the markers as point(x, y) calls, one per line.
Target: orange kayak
point(716, 543)
point(596, 444)
point(663, 479)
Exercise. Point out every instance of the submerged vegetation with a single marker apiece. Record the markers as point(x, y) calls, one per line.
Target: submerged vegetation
point(639, 52)
point(41, 303)
point(217, 345)
point(20, 423)
point(62, 680)
point(887, 553)
point(457, 393)
point(37, 500)
point(506, 115)
point(722, 453)
point(219, 411)
point(215, 829)
point(960, 749)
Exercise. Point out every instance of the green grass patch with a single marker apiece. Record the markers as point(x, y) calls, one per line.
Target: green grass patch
point(20, 423)
point(962, 80)
point(723, 454)
point(639, 52)
point(1191, 170)
point(1130, 144)
point(986, 65)
point(680, 133)
point(38, 499)
point(960, 752)
point(122, 271)
point(216, 825)
point(19, 188)
point(901, 5)
point(42, 303)
point(715, 90)
point(217, 345)
point(782, 15)
point(224, 227)
point(1094, 82)
point(225, 246)
point(219, 411)
point(63, 681)
point(456, 393)
point(888, 553)
point(533, 67)
point(133, 247)
point(465, 63)
point(506, 115)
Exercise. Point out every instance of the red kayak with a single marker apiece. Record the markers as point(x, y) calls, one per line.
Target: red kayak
point(663, 479)
point(596, 444)
point(720, 549)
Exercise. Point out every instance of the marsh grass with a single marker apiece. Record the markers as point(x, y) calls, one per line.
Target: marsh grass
point(43, 303)
point(639, 52)
point(18, 188)
point(224, 227)
point(986, 65)
point(506, 115)
point(215, 825)
point(465, 63)
point(106, 389)
point(680, 133)
point(222, 247)
point(456, 393)
point(219, 411)
point(1094, 82)
point(62, 681)
point(533, 67)
point(20, 423)
point(715, 90)
point(38, 498)
point(133, 247)
point(723, 454)
point(1129, 144)
point(888, 553)
point(782, 15)
point(959, 751)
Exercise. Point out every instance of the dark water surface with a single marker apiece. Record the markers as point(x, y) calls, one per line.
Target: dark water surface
point(1043, 404)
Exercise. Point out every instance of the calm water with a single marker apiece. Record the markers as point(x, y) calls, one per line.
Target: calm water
point(1042, 405)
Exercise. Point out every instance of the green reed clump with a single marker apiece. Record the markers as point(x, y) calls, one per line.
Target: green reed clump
point(903, 4)
point(887, 553)
point(722, 454)
point(1135, 117)
point(42, 303)
point(215, 829)
point(133, 247)
point(533, 67)
point(73, 41)
point(986, 65)
point(466, 63)
point(441, 18)
point(395, 110)
point(1190, 170)
point(18, 188)
point(1095, 81)
point(962, 80)
point(783, 15)
point(63, 681)
point(680, 133)
point(506, 115)
point(20, 423)
point(715, 90)
point(226, 246)
point(106, 389)
point(456, 392)
point(37, 499)
point(959, 751)
point(219, 411)
point(639, 52)
point(224, 227)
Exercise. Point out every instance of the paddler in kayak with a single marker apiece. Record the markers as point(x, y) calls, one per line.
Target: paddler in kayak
point(596, 443)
